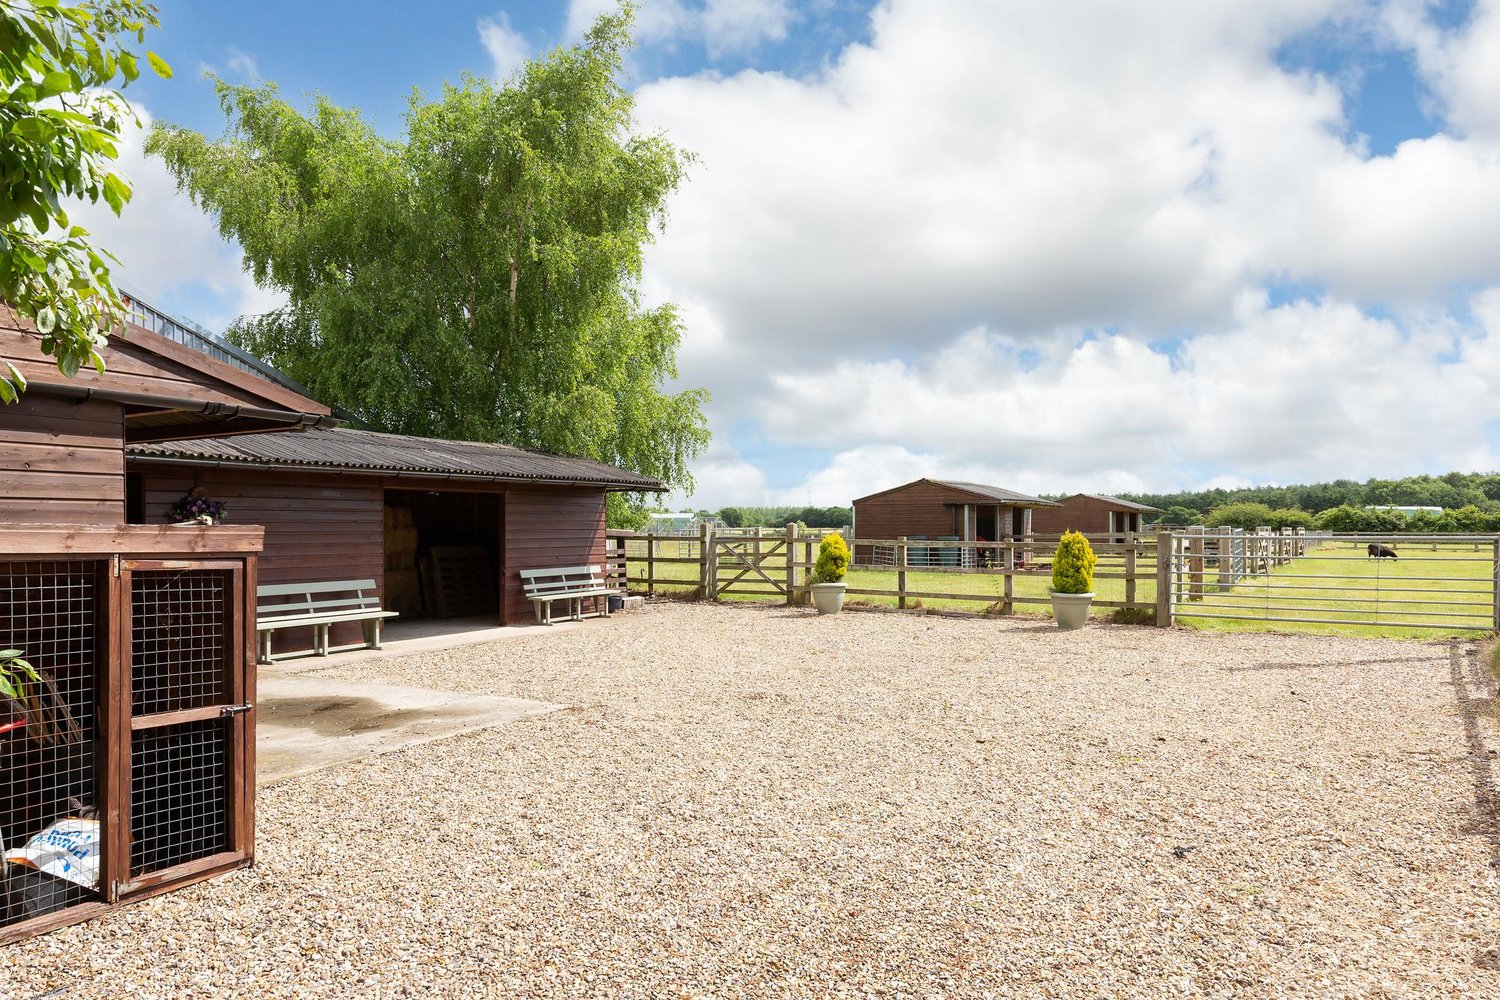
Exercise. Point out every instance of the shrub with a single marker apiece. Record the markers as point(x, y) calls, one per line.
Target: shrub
point(1240, 515)
point(833, 560)
point(1291, 518)
point(1073, 566)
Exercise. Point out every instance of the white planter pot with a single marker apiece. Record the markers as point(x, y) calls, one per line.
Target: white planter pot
point(1071, 610)
point(829, 597)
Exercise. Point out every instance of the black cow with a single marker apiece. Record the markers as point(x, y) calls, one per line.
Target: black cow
point(1382, 552)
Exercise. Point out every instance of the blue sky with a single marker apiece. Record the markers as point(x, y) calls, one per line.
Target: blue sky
point(1057, 247)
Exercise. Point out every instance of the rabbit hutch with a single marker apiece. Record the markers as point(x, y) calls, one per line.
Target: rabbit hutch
point(127, 683)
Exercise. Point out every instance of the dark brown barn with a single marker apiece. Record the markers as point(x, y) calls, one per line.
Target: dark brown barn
point(328, 501)
point(943, 510)
point(1092, 515)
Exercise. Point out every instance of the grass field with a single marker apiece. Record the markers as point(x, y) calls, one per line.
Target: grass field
point(1445, 584)
point(1357, 590)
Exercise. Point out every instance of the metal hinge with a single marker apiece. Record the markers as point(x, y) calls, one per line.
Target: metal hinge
point(232, 710)
point(115, 562)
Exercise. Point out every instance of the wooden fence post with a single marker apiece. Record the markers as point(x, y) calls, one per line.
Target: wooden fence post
point(1225, 543)
point(791, 564)
point(1008, 580)
point(1130, 569)
point(1195, 563)
point(901, 572)
point(1164, 579)
point(705, 562)
point(651, 544)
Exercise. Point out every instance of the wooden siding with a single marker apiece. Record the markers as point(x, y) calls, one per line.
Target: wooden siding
point(61, 461)
point(144, 362)
point(331, 526)
point(545, 528)
point(1089, 515)
point(317, 527)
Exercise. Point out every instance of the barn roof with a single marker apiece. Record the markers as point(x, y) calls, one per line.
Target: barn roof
point(979, 490)
point(348, 450)
point(1116, 502)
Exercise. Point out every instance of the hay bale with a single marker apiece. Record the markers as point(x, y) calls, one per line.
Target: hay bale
point(403, 592)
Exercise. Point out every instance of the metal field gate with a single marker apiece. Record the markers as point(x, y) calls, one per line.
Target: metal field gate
point(1401, 581)
point(127, 761)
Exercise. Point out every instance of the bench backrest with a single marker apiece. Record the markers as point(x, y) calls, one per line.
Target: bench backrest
point(562, 581)
point(282, 600)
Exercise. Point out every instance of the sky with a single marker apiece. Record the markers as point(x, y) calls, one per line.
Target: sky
point(1061, 247)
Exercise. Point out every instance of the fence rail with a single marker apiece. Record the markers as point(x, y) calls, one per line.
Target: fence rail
point(1449, 582)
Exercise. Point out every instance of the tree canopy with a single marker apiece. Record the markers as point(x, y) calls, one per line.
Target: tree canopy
point(477, 278)
point(59, 128)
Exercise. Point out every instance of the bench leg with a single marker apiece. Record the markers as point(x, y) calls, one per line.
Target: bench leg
point(320, 639)
point(372, 633)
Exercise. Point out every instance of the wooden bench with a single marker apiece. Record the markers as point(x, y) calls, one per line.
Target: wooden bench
point(318, 606)
point(574, 584)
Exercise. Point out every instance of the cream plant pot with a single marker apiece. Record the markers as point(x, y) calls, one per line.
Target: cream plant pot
point(829, 597)
point(1071, 610)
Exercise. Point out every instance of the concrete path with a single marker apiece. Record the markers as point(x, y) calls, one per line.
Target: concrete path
point(308, 723)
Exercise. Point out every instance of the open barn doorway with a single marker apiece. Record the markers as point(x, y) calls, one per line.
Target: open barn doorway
point(442, 554)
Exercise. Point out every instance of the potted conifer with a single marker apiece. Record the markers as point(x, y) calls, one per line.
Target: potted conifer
point(1073, 580)
point(828, 575)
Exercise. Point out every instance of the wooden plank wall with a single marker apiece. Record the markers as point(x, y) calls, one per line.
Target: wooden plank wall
point(917, 509)
point(61, 461)
point(147, 364)
point(546, 528)
point(1089, 515)
point(318, 527)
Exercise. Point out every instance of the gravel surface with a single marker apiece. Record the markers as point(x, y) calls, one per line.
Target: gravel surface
point(761, 802)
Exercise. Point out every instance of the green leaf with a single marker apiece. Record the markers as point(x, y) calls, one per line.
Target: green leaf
point(59, 81)
point(19, 381)
point(8, 689)
point(46, 319)
point(159, 65)
point(128, 67)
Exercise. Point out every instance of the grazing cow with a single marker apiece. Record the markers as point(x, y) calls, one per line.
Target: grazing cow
point(1382, 552)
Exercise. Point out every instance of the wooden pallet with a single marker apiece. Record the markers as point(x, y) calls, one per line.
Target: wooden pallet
point(462, 581)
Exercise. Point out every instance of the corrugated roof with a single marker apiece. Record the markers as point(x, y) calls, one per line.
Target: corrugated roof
point(351, 450)
point(995, 492)
point(1122, 504)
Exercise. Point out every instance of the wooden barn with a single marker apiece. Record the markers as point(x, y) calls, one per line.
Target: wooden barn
point(1093, 515)
point(129, 771)
point(943, 510)
point(346, 504)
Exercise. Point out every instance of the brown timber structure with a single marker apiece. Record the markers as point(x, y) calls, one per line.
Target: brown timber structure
point(1093, 515)
point(146, 630)
point(943, 510)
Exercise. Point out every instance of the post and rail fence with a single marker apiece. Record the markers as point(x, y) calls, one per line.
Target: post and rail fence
point(1291, 576)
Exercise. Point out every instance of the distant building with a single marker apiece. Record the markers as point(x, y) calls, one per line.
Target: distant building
point(942, 510)
point(1091, 514)
point(1404, 510)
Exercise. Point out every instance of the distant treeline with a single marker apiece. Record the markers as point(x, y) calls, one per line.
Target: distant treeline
point(1470, 502)
point(1451, 491)
point(780, 517)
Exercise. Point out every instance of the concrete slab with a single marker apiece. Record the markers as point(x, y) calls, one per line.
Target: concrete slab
point(304, 724)
point(420, 635)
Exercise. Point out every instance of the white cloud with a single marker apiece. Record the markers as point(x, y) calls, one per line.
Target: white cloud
point(1078, 181)
point(165, 244)
point(507, 49)
point(723, 27)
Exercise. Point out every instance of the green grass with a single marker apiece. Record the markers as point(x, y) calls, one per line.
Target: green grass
point(1366, 590)
point(1457, 565)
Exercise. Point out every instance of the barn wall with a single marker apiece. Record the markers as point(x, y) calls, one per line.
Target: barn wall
point(61, 461)
point(318, 527)
point(544, 529)
point(146, 363)
point(1086, 514)
point(917, 509)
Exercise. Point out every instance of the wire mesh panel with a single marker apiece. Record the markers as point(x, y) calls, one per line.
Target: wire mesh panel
point(179, 638)
point(49, 828)
point(178, 794)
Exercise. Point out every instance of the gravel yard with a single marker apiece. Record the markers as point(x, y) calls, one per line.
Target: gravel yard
point(760, 802)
